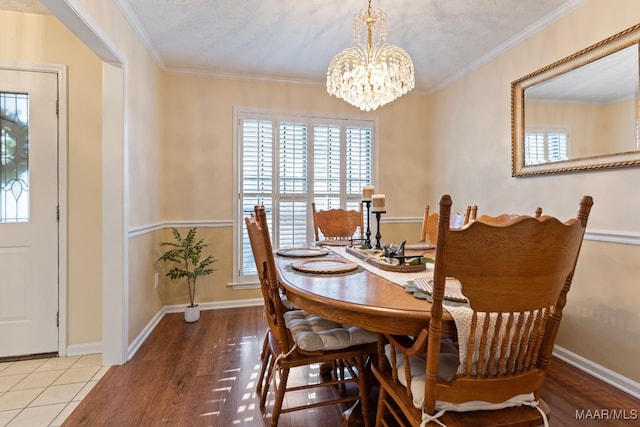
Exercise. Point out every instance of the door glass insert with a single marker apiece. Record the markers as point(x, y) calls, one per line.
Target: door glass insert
point(14, 157)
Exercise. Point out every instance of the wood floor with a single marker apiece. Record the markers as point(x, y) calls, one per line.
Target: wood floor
point(204, 374)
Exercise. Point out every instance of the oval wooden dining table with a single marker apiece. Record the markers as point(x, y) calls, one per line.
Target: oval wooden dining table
point(360, 298)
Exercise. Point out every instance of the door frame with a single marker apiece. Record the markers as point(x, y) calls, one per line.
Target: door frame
point(115, 213)
point(61, 72)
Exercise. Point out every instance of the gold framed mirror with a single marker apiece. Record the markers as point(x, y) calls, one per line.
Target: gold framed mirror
point(580, 113)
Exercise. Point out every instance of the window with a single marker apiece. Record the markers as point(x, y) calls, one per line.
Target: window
point(545, 145)
point(287, 162)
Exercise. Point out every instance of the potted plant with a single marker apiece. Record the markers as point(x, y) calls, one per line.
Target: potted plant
point(186, 254)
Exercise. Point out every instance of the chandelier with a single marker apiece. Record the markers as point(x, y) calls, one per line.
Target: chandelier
point(372, 75)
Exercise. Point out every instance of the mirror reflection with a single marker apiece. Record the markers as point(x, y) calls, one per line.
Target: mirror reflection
point(588, 111)
point(581, 112)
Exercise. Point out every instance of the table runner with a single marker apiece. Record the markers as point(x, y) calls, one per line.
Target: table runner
point(392, 276)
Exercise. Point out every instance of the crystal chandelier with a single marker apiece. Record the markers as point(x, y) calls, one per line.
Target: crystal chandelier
point(372, 75)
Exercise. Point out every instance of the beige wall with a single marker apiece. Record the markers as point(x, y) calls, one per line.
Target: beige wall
point(36, 38)
point(143, 194)
point(471, 136)
point(601, 320)
point(198, 153)
point(198, 146)
point(593, 129)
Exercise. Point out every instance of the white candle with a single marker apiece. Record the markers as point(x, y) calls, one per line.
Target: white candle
point(377, 203)
point(367, 192)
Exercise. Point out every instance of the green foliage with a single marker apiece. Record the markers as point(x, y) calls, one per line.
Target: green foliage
point(186, 255)
point(422, 260)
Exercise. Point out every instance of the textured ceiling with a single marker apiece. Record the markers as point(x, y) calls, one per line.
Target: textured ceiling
point(29, 6)
point(294, 40)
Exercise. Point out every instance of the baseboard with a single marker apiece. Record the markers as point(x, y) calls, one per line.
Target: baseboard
point(84, 349)
point(217, 305)
point(598, 371)
point(94, 348)
point(144, 334)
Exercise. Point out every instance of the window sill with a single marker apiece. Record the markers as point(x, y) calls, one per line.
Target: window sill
point(244, 286)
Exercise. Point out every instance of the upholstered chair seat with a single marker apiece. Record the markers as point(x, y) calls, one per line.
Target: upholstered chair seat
point(314, 333)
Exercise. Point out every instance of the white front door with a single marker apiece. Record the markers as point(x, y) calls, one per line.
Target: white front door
point(28, 212)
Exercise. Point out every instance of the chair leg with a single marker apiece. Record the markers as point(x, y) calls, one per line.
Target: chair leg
point(380, 412)
point(363, 386)
point(282, 387)
point(340, 376)
point(267, 383)
point(265, 357)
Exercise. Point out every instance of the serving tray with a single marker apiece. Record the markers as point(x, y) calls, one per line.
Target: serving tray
point(404, 268)
point(371, 256)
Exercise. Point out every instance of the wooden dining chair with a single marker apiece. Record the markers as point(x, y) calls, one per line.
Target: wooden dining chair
point(502, 218)
point(337, 226)
point(515, 276)
point(429, 226)
point(470, 214)
point(458, 220)
point(296, 338)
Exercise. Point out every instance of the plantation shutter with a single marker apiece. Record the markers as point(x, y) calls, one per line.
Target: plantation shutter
point(292, 218)
point(285, 163)
point(557, 143)
point(326, 166)
point(358, 163)
point(545, 145)
point(257, 178)
point(534, 148)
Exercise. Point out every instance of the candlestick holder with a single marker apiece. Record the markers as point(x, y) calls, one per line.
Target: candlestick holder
point(367, 239)
point(378, 235)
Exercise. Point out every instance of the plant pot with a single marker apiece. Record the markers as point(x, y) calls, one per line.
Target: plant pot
point(192, 314)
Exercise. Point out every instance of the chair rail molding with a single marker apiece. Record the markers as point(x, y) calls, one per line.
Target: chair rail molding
point(608, 236)
point(611, 236)
point(150, 228)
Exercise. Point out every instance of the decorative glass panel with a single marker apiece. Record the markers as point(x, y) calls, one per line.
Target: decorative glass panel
point(14, 157)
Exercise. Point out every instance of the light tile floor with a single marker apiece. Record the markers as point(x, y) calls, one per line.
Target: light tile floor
point(43, 392)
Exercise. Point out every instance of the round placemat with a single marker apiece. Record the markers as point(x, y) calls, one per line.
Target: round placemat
point(324, 266)
point(302, 252)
